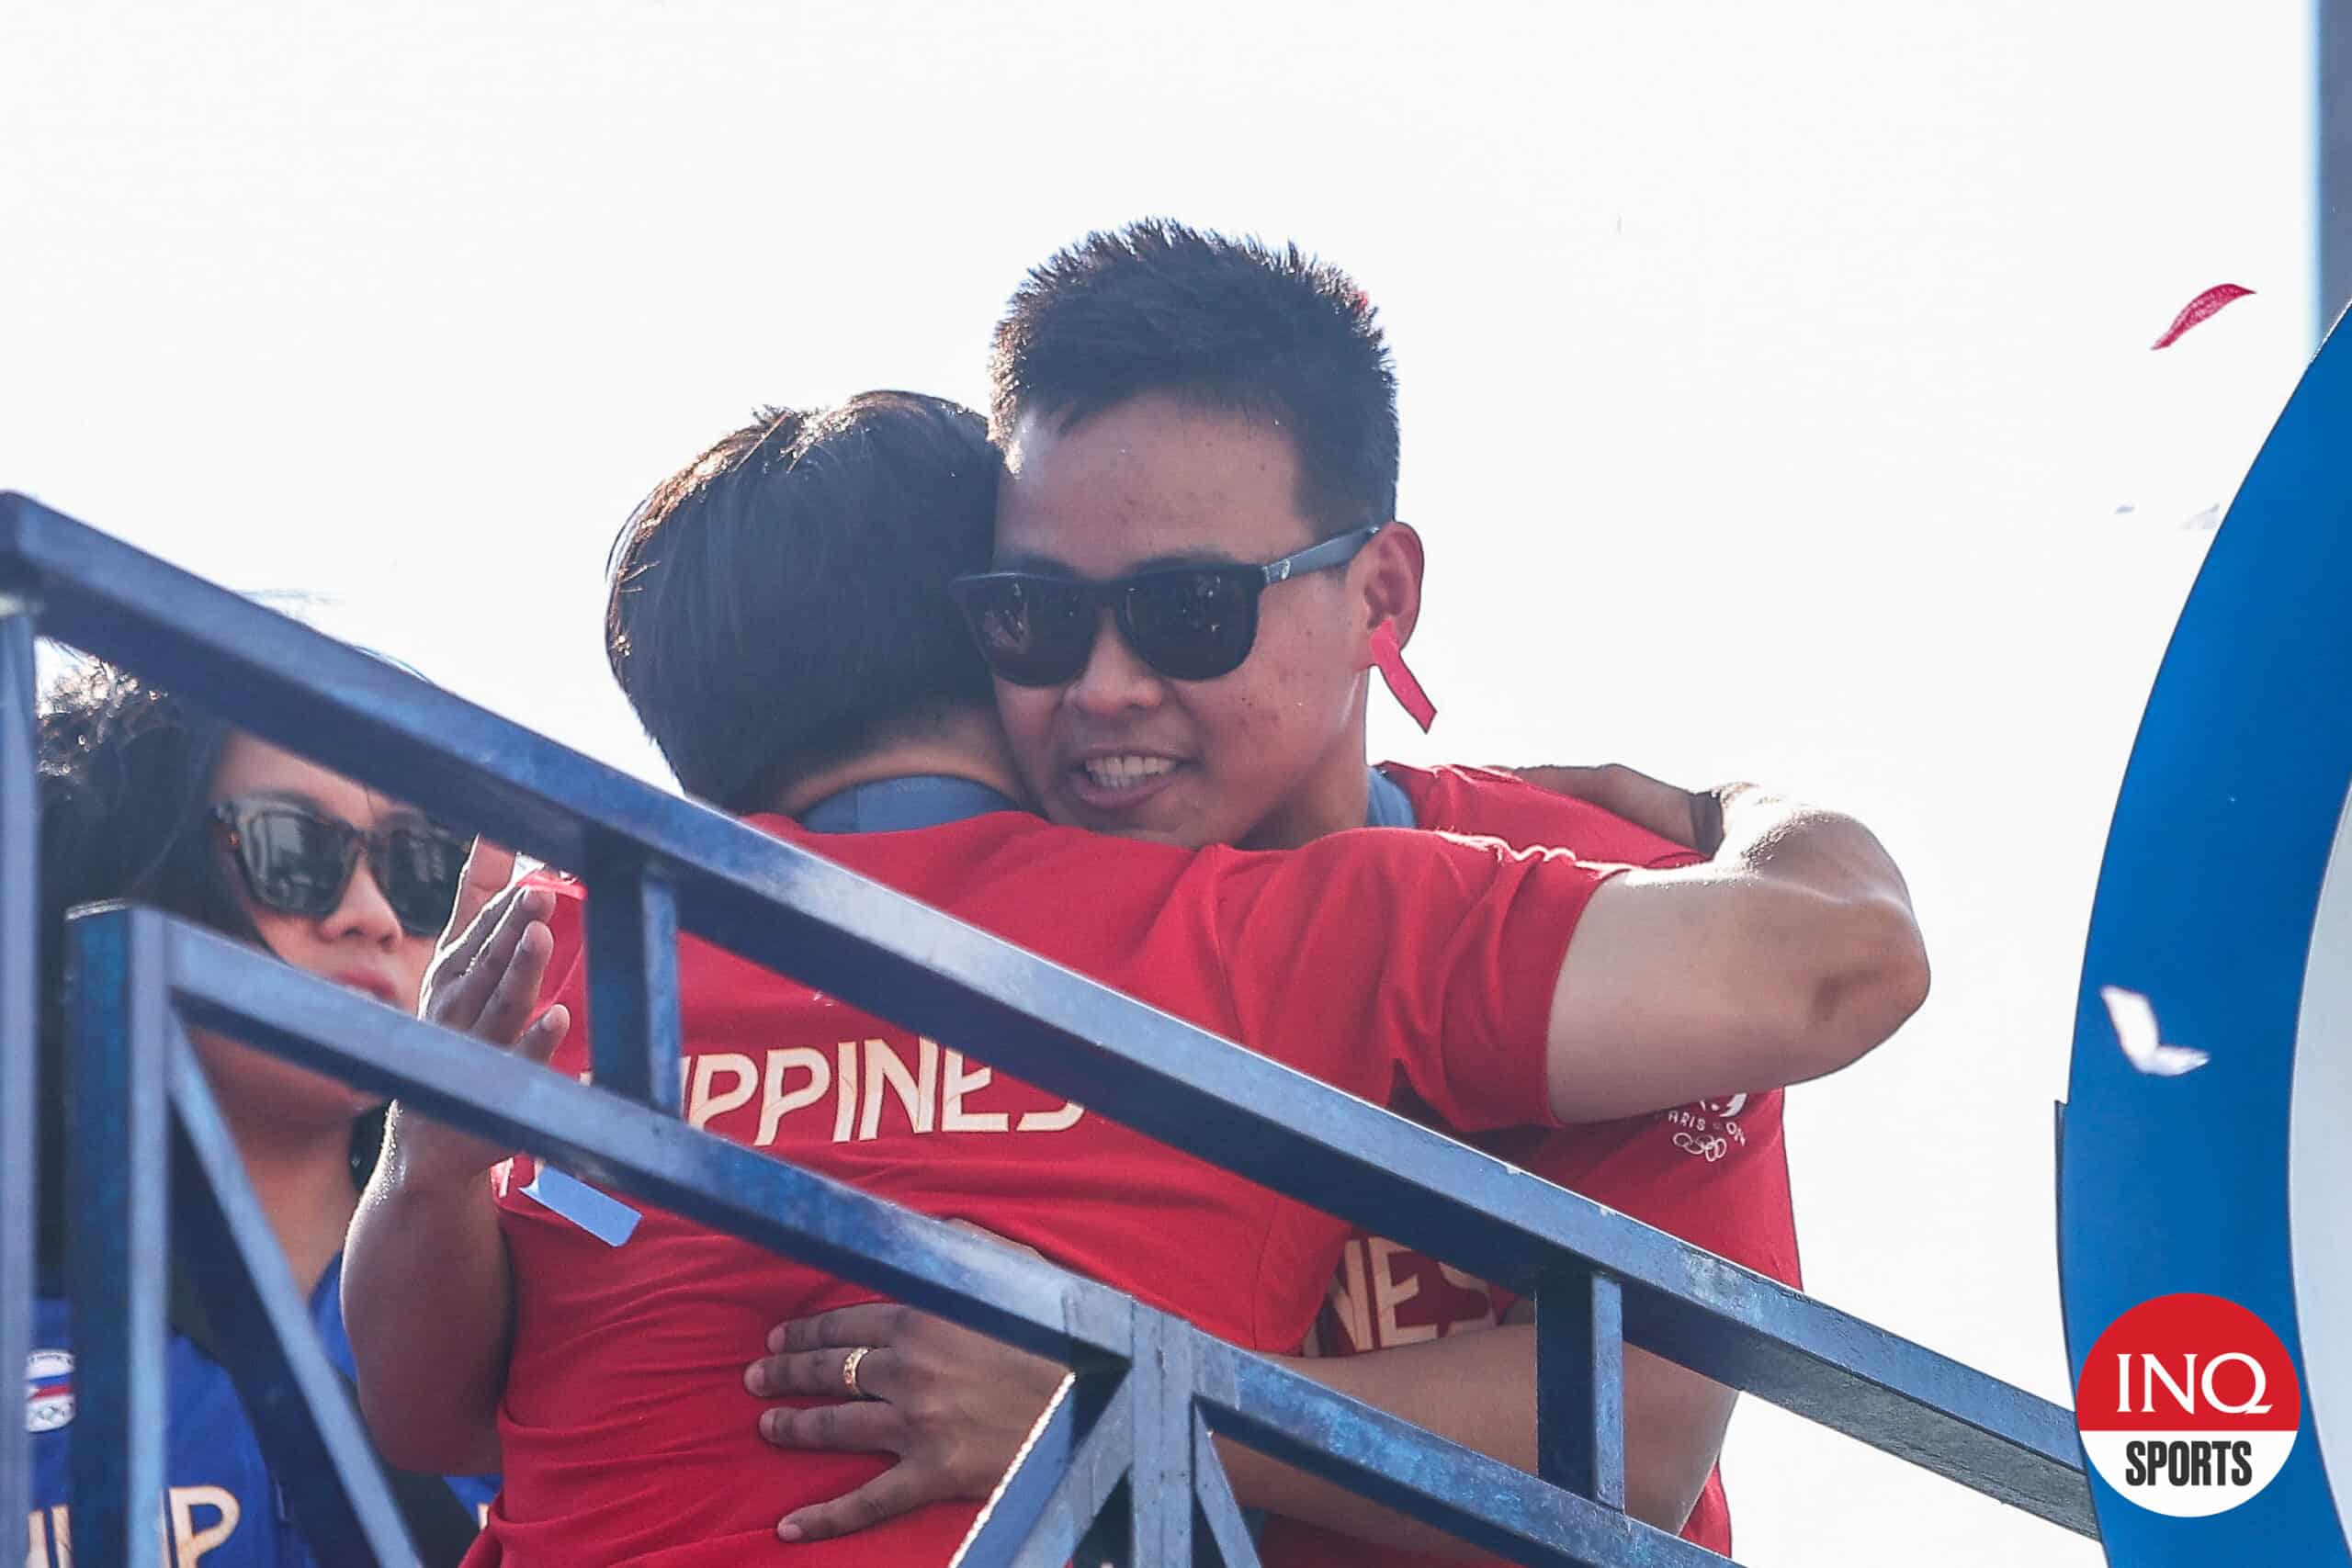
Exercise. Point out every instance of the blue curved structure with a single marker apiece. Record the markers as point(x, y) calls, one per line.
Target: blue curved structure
point(2208, 900)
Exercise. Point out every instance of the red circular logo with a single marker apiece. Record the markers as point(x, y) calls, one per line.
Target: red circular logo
point(2188, 1404)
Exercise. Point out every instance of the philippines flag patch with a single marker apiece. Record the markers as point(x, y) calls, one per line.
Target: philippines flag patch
point(48, 1390)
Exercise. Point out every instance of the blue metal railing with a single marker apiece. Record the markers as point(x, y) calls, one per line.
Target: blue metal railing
point(20, 1020)
point(1125, 1460)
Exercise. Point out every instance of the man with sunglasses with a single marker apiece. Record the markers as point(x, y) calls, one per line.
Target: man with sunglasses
point(1195, 567)
point(1037, 627)
point(780, 620)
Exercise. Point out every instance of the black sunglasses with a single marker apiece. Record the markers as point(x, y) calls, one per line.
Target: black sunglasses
point(1190, 623)
point(297, 861)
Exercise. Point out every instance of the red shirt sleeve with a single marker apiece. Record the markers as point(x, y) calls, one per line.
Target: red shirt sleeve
point(1372, 957)
point(1490, 801)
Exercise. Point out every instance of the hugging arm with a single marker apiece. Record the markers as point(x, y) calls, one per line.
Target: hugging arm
point(1802, 928)
point(953, 1407)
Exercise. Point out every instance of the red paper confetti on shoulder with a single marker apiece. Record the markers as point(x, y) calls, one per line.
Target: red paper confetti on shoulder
point(2197, 309)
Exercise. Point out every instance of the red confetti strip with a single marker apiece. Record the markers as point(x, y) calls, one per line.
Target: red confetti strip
point(2197, 309)
point(1388, 657)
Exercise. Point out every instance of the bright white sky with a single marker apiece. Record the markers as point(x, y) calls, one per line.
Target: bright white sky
point(1776, 381)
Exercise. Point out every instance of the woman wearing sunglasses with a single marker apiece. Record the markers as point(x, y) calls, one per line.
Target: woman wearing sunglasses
point(146, 798)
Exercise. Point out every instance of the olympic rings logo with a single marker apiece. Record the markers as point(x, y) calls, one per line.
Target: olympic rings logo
point(1710, 1149)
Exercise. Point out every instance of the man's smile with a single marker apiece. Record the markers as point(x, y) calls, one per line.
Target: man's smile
point(1119, 781)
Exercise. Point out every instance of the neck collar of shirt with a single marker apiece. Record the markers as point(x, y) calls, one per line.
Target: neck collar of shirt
point(895, 805)
point(1390, 805)
point(932, 800)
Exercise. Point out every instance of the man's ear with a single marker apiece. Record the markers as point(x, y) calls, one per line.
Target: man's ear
point(1392, 584)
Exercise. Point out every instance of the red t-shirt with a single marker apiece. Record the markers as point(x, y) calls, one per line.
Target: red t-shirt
point(1715, 1174)
point(627, 1435)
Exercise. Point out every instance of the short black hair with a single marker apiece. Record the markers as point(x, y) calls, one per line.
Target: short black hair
point(780, 602)
point(1232, 325)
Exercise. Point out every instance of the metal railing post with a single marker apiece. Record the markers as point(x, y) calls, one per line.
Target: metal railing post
point(1159, 1486)
point(1580, 1386)
point(303, 1416)
point(632, 920)
point(1063, 1481)
point(1221, 1522)
point(19, 1033)
point(118, 1247)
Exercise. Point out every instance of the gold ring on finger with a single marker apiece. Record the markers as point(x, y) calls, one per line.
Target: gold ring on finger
point(849, 1371)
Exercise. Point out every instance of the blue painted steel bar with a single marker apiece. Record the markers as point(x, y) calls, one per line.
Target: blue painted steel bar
point(791, 909)
point(301, 1411)
point(1580, 1386)
point(117, 1030)
point(19, 1033)
point(633, 981)
point(927, 1263)
point(1064, 1480)
point(1488, 1503)
point(891, 1250)
point(1219, 1518)
point(1160, 1483)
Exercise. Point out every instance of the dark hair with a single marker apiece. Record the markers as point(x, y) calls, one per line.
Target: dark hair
point(781, 601)
point(1230, 325)
point(126, 783)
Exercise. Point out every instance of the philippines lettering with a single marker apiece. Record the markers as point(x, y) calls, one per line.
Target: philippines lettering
point(863, 1089)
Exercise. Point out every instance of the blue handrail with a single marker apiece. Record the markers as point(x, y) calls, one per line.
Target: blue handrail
point(659, 866)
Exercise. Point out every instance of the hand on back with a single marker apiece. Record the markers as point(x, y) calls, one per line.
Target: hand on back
point(953, 1405)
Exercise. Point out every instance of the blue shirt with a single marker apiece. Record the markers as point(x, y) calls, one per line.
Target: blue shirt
point(1389, 806)
point(221, 1507)
point(898, 805)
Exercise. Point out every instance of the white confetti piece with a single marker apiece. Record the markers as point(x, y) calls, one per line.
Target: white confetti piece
point(2136, 1031)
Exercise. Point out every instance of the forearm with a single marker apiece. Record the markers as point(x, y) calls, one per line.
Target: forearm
point(1475, 1389)
point(1743, 829)
point(427, 1297)
point(1478, 1389)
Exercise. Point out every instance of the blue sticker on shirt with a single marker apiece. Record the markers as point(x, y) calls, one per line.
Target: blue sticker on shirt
point(601, 1214)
